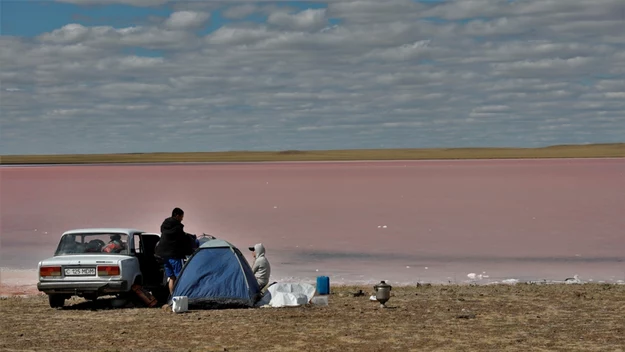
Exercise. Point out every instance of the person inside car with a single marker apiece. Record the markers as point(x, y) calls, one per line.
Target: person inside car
point(95, 246)
point(115, 245)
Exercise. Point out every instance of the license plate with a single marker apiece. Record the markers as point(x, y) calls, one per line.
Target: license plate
point(79, 271)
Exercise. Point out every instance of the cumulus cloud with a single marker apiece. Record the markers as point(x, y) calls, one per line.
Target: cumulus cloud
point(186, 19)
point(238, 12)
point(416, 50)
point(307, 20)
point(395, 73)
point(239, 35)
point(110, 38)
point(549, 67)
point(373, 11)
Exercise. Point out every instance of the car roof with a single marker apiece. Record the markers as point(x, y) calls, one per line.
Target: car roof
point(103, 230)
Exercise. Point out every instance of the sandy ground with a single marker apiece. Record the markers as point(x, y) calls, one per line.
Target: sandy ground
point(522, 317)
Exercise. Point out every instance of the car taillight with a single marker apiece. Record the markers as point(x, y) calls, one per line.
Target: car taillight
point(50, 271)
point(108, 270)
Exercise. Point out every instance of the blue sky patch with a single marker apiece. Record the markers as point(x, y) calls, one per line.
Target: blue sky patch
point(32, 18)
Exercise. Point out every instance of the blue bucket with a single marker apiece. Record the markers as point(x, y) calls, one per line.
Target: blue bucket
point(323, 285)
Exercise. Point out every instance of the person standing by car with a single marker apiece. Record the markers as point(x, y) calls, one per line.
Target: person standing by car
point(261, 267)
point(174, 246)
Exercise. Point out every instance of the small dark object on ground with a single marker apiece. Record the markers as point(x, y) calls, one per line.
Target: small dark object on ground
point(359, 293)
point(466, 316)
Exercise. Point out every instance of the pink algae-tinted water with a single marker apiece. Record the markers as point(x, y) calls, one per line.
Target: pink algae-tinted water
point(402, 221)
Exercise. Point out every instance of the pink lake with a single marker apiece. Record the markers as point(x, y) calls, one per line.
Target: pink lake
point(356, 222)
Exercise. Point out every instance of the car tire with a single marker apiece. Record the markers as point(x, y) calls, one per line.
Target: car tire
point(56, 301)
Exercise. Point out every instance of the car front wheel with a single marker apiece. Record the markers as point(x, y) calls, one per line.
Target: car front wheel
point(56, 301)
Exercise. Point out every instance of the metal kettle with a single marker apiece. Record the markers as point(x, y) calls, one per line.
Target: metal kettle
point(382, 292)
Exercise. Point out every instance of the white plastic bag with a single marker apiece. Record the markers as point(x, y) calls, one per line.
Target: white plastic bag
point(287, 295)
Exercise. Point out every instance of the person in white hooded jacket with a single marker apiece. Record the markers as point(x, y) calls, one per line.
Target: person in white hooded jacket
point(261, 267)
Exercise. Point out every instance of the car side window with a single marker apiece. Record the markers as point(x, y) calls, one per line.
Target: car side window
point(137, 240)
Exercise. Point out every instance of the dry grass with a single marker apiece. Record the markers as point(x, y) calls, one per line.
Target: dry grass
point(589, 317)
point(563, 151)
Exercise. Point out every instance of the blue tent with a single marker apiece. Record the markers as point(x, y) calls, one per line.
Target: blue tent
point(216, 276)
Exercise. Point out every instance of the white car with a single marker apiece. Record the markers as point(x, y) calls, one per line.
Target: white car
point(102, 261)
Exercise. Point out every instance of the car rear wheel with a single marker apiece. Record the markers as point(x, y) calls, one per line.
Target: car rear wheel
point(56, 301)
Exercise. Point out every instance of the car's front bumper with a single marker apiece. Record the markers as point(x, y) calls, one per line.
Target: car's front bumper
point(80, 287)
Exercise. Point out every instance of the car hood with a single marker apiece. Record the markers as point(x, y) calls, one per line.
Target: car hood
point(85, 259)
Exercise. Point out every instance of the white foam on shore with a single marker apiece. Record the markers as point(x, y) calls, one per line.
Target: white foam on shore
point(484, 280)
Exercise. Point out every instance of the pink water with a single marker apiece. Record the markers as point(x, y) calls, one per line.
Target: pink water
point(504, 219)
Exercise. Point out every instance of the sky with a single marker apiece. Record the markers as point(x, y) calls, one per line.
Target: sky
point(129, 76)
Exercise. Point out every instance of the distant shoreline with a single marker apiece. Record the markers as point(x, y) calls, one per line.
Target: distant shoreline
point(612, 150)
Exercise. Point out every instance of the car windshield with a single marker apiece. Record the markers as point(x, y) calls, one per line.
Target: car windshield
point(93, 243)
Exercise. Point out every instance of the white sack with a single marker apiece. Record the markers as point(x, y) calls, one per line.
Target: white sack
point(287, 295)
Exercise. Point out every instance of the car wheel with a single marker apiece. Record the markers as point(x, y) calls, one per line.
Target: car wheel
point(56, 301)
